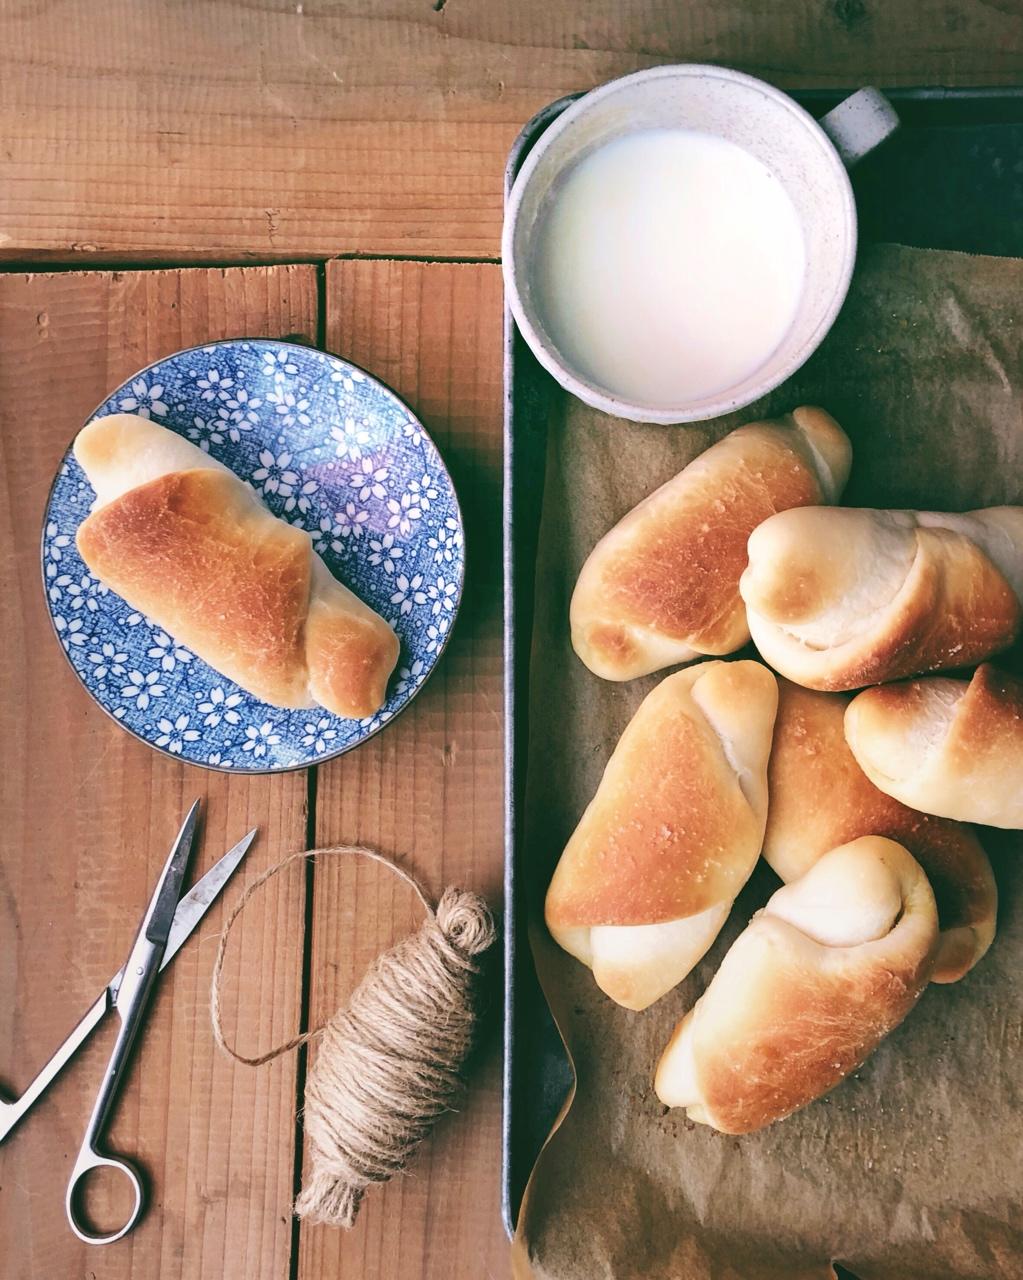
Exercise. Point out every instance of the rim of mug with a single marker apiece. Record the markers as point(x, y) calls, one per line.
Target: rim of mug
point(544, 348)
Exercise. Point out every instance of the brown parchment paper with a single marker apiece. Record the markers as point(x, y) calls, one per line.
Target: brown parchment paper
point(913, 1168)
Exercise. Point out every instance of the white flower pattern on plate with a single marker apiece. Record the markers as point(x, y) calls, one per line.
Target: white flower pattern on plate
point(166, 652)
point(291, 408)
point(144, 399)
point(423, 492)
point(343, 474)
point(218, 706)
point(408, 592)
point(259, 737)
point(402, 514)
point(348, 523)
point(278, 364)
point(319, 735)
point(301, 500)
point(275, 474)
point(384, 552)
point(350, 440)
point(109, 661)
point(446, 542)
point(213, 385)
point(204, 432)
point(369, 480)
point(174, 734)
point(443, 593)
point(143, 688)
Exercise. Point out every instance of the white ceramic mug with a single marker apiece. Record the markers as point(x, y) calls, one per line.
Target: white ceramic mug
point(809, 158)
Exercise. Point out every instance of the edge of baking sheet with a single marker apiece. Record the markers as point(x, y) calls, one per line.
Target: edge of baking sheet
point(916, 105)
point(515, 698)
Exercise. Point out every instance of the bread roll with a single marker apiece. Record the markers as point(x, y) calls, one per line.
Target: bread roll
point(672, 834)
point(184, 541)
point(819, 977)
point(820, 798)
point(841, 598)
point(662, 587)
point(948, 747)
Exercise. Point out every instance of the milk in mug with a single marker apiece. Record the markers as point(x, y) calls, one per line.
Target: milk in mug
point(670, 265)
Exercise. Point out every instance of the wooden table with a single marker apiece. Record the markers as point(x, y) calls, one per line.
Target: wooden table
point(325, 154)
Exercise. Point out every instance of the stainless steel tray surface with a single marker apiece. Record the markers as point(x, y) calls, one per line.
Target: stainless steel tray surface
point(952, 178)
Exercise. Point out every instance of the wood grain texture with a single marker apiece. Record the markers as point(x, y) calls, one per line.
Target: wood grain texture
point(89, 813)
point(288, 128)
point(429, 788)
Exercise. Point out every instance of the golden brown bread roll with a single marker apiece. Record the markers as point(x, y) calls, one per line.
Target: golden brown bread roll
point(662, 587)
point(948, 747)
point(190, 545)
point(672, 834)
point(820, 798)
point(819, 977)
point(841, 598)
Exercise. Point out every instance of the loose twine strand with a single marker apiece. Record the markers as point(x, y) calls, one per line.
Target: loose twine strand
point(389, 1062)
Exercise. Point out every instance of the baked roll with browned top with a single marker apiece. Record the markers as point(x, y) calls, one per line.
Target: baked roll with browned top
point(831, 965)
point(839, 598)
point(662, 587)
point(820, 798)
point(672, 834)
point(949, 747)
point(182, 539)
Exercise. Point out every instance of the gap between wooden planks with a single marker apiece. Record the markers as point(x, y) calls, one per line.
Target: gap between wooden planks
point(90, 811)
point(282, 130)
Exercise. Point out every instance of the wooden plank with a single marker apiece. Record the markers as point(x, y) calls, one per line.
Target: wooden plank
point(281, 129)
point(88, 815)
point(429, 787)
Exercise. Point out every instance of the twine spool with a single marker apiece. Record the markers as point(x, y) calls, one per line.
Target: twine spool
point(389, 1062)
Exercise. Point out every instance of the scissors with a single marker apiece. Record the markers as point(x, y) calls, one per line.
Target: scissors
point(165, 926)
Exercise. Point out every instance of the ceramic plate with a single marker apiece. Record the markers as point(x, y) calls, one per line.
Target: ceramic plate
point(329, 449)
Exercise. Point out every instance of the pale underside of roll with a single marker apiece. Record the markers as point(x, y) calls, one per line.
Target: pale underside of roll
point(839, 598)
point(662, 586)
point(671, 835)
point(948, 747)
point(831, 965)
point(189, 544)
point(821, 798)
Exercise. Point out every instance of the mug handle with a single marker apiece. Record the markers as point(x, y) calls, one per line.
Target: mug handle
point(859, 124)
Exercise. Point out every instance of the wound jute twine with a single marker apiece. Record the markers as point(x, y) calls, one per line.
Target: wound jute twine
point(389, 1062)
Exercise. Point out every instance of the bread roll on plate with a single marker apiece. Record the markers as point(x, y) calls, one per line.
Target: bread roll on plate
point(830, 966)
point(949, 747)
point(841, 598)
point(672, 834)
point(820, 798)
point(662, 587)
point(182, 539)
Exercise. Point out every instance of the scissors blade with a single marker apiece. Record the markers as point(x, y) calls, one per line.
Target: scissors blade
point(164, 902)
point(191, 909)
point(194, 905)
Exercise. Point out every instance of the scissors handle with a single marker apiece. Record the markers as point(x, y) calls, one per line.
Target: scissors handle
point(140, 971)
point(88, 1160)
point(11, 1111)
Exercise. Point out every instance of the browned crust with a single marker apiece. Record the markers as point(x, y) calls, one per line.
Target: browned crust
point(988, 722)
point(811, 1027)
point(659, 839)
point(225, 578)
point(350, 660)
point(959, 610)
point(680, 575)
point(821, 798)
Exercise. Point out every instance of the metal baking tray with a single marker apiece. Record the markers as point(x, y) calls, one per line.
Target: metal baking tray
point(952, 178)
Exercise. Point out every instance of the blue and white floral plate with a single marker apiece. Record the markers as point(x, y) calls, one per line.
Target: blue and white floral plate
point(330, 449)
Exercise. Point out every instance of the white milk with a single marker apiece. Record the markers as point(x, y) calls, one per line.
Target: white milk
point(669, 265)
